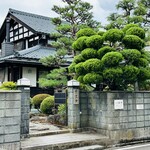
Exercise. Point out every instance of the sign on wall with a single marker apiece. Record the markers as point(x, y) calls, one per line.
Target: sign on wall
point(139, 106)
point(76, 96)
point(118, 104)
point(60, 98)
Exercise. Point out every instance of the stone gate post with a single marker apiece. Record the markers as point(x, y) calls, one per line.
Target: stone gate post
point(24, 86)
point(73, 105)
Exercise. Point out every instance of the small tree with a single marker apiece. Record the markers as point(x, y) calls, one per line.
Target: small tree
point(56, 78)
point(118, 61)
point(130, 11)
point(73, 15)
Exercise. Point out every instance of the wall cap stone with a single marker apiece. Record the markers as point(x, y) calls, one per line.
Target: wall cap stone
point(23, 81)
point(73, 83)
point(10, 91)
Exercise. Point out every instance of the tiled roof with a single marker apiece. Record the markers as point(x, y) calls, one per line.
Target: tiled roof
point(34, 53)
point(38, 23)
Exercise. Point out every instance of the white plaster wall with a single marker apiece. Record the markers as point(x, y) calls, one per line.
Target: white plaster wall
point(30, 73)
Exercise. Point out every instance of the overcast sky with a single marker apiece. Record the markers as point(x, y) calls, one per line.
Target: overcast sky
point(101, 8)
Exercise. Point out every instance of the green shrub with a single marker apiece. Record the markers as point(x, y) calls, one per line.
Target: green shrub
point(128, 26)
point(112, 73)
point(79, 58)
point(89, 53)
point(94, 41)
point(71, 68)
point(80, 78)
point(102, 51)
point(144, 73)
point(8, 86)
point(141, 62)
point(131, 55)
point(93, 65)
point(80, 43)
point(112, 58)
point(62, 114)
point(101, 33)
point(113, 35)
point(136, 31)
point(62, 110)
point(37, 99)
point(92, 78)
point(47, 105)
point(133, 42)
point(145, 85)
point(79, 69)
point(85, 32)
point(130, 73)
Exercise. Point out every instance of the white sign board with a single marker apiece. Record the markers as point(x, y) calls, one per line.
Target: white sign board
point(118, 104)
point(139, 106)
point(76, 96)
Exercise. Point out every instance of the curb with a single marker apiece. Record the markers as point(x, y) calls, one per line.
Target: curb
point(68, 145)
point(49, 133)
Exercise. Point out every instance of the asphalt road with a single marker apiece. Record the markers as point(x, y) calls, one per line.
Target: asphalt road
point(135, 147)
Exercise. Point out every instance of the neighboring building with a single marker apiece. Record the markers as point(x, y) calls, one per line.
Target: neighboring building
point(24, 39)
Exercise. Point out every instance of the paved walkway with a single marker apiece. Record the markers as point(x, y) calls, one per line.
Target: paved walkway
point(44, 136)
point(62, 141)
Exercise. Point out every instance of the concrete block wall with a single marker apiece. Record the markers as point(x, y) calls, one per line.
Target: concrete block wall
point(10, 115)
point(131, 122)
point(73, 110)
point(25, 109)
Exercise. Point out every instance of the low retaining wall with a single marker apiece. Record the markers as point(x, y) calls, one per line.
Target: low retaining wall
point(10, 116)
point(119, 115)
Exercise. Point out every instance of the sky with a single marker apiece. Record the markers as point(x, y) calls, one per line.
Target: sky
point(101, 8)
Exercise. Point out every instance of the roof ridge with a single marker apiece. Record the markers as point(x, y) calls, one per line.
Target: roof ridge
point(26, 51)
point(29, 14)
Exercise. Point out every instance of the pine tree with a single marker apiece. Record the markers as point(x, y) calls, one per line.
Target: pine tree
point(131, 11)
point(74, 15)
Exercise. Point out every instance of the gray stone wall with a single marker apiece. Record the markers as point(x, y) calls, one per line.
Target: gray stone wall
point(10, 113)
point(73, 110)
point(25, 109)
point(131, 122)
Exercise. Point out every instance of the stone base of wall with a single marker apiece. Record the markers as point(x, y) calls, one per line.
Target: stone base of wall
point(127, 123)
point(129, 134)
point(10, 146)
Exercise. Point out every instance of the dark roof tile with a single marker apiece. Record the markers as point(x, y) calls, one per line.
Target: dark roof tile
point(37, 22)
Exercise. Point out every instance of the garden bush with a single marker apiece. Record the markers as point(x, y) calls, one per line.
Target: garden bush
point(62, 110)
point(102, 51)
point(79, 68)
point(92, 78)
point(79, 58)
point(89, 53)
point(37, 100)
point(8, 85)
point(85, 32)
point(131, 55)
point(71, 68)
point(112, 58)
point(113, 35)
point(93, 65)
point(133, 42)
point(94, 41)
point(128, 26)
point(47, 105)
point(80, 43)
point(136, 31)
point(130, 73)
